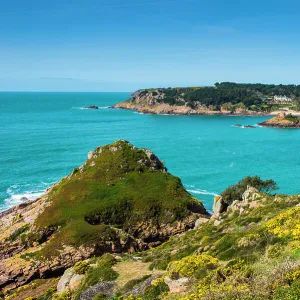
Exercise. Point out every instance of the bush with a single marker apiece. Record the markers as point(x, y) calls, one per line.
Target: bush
point(235, 192)
point(188, 266)
point(81, 267)
point(102, 272)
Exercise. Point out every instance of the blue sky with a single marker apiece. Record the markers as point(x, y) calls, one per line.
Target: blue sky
point(126, 45)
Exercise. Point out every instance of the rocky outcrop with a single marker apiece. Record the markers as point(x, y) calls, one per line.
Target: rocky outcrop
point(34, 244)
point(105, 288)
point(251, 199)
point(282, 122)
point(219, 206)
point(93, 107)
point(177, 285)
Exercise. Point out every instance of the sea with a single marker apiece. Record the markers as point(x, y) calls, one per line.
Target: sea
point(44, 136)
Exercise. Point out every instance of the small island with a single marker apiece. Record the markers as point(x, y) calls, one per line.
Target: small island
point(282, 121)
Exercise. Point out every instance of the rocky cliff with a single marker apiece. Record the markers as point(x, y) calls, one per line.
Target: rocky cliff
point(122, 200)
point(175, 101)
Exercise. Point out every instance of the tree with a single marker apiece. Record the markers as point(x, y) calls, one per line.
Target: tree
point(235, 192)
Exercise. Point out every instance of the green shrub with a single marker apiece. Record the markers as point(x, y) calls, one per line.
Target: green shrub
point(235, 192)
point(132, 283)
point(154, 292)
point(63, 296)
point(18, 232)
point(188, 266)
point(81, 267)
point(102, 272)
point(291, 292)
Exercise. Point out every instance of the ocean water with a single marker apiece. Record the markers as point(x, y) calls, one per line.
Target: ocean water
point(43, 136)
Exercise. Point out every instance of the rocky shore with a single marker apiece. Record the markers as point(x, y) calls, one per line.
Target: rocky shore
point(282, 121)
point(166, 109)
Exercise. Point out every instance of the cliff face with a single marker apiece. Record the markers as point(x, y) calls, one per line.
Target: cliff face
point(121, 200)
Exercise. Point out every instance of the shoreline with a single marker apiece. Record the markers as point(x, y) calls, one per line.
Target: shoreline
point(156, 111)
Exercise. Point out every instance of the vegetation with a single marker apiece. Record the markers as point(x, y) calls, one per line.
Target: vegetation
point(252, 255)
point(117, 188)
point(231, 96)
point(235, 192)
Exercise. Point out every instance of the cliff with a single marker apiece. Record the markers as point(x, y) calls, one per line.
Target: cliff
point(121, 200)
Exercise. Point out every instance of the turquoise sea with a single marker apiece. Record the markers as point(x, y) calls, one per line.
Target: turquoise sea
point(43, 136)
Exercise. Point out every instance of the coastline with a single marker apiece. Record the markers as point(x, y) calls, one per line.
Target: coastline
point(165, 109)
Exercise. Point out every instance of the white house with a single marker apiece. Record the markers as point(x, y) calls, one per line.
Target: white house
point(283, 99)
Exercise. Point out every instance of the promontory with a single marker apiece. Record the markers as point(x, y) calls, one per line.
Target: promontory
point(226, 98)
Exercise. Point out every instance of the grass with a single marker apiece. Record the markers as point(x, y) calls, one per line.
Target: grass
point(132, 271)
point(116, 188)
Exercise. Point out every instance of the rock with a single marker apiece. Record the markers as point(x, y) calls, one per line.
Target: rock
point(200, 221)
point(106, 288)
point(249, 126)
point(250, 194)
point(24, 199)
point(63, 283)
point(93, 107)
point(238, 125)
point(178, 285)
point(140, 287)
point(219, 206)
point(217, 222)
point(75, 281)
point(90, 154)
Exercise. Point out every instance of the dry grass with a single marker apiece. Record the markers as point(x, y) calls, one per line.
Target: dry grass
point(130, 270)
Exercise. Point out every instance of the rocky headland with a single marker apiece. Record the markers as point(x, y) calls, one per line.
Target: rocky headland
point(155, 102)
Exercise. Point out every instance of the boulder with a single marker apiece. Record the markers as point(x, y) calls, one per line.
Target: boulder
point(75, 282)
point(106, 288)
point(63, 283)
point(200, 221)
point(219, 206)
point(251, 194)
point(178, 285)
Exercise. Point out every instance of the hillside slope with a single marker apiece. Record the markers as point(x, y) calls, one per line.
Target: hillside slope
point(121, 200)
point(250, 251)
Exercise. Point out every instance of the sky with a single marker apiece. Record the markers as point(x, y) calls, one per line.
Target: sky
point(114, 45)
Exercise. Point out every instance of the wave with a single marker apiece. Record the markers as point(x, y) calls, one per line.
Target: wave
point(18, 193)
point(202, 192)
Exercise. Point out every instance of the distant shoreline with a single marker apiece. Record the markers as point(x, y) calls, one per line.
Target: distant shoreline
point(178, 111)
